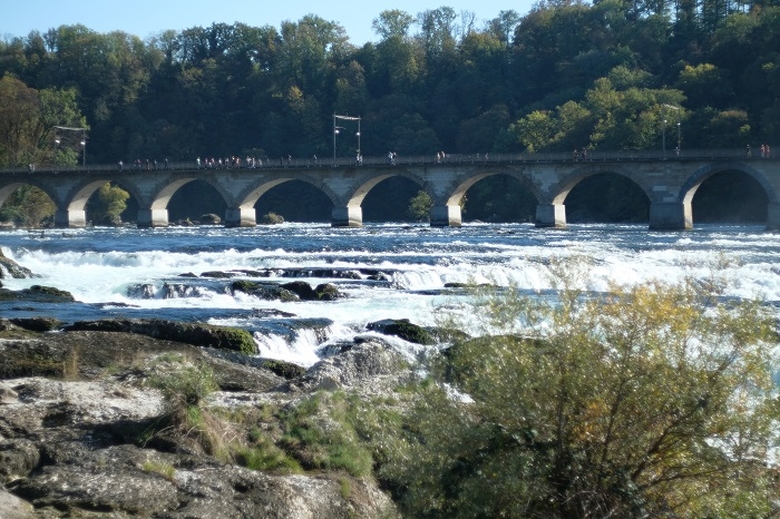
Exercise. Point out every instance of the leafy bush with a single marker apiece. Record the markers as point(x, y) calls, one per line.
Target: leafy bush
point(649, 401)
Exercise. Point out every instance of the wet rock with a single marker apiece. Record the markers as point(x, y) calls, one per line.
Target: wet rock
point(266, 291)
point(403, 329)
point(142, 291)
point(10, 268)
point(178, 291)
point(217, 274)
point(197, 334)
point(322, 292)
point(37, 324)
point(37, 293)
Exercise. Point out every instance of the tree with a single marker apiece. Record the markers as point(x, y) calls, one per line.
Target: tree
point(420, 207)
point(27, 120)
point(651, 400)
point(392, 23)
point(27, 206)
point(109, 204)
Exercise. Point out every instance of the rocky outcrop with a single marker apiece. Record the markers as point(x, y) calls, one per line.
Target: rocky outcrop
point(266, 291)
point(86, 433)
point(38, 294)
point(10, 268)
point(197, 334)
point(403, 329)
point(322, 292)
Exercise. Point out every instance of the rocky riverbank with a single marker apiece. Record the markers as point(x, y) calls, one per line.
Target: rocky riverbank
point(148, 418)
point(88, 430)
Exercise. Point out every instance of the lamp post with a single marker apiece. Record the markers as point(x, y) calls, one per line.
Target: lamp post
point(337, 128)
point(663, 140)
point(84, 147)
point(663, 131)
point(679, 141)
point(62, 130)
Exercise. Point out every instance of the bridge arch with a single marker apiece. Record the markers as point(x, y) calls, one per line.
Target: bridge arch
point(692, 184)
point(154, 212)
point(551, 211)
point(10, 188)
point(73, 211)
point(464, 184)
point(564, 186)
point(244, 215)
point(349, 212)
point(447, 210)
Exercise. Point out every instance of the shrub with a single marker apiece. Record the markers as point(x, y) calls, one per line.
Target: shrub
point(649, 401)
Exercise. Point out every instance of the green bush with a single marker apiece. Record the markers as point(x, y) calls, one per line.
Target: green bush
point(649, 401)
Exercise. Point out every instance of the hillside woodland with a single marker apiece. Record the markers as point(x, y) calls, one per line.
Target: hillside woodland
point(565, 76)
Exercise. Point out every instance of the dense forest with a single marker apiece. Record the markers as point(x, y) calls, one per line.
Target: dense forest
point(612, 74)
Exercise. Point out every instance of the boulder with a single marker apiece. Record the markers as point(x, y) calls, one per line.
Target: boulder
point(14, 508)
point(37, 293)
point(403, 329)
point(197, 334)
point(322, 292)
point(9, 267)
point(366, 365)
point(37, 324)
point(266, 291)
point(210, 219)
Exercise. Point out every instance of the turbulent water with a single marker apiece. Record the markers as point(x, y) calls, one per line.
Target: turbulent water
point(385, 271)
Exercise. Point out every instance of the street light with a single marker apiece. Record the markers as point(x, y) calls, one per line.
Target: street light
point(663, 132)
point(335, 133)
point(84, 147)
point(663, 139)
point(337, 128)
point(60, 130)
point(679, 142)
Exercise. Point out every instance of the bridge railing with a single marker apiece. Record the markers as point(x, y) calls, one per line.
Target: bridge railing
point(715, 154)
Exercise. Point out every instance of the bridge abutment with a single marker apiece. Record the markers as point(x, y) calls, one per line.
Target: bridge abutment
point(551, 215)
point(152, 218)
point(773, 217)
point(347, 217)
point(675, 216)
point(65, 218)
point(240, 217)
point(446, 216)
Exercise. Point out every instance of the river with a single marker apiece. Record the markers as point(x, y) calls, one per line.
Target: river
point(384, 270)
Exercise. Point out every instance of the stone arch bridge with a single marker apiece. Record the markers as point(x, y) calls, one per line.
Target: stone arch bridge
point(669, 182)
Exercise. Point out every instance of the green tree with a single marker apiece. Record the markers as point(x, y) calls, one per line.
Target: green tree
point(28, 206)
point(27, 125)
point(420, 207)
point(392, 23)
point(108, 204)
point(653, 400)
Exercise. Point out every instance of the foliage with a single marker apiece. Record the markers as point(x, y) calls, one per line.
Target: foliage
point(186, 387)
point(108, 204)
point(320, 434)
point(420, 207)
point(272, 219)
point(654, 400)
point(435, 80)
point(28, 206)
point(27, 124)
